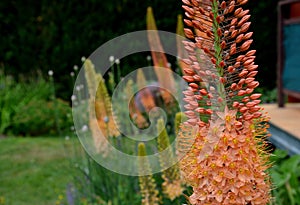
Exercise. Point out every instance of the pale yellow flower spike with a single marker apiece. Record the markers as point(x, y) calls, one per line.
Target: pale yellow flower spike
point(147, 183)
point(100, 100)
point(172, 185)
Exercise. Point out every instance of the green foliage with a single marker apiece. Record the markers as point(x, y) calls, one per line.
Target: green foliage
point(51, 34)
point(111, 186)
point(268, 96)
point(38, 118)
point(285, 175)
point(27, 109)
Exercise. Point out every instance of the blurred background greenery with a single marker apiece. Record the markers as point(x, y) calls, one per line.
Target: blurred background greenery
point(54, 35)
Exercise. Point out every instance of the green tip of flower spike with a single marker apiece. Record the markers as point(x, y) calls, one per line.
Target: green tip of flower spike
point(141, 149)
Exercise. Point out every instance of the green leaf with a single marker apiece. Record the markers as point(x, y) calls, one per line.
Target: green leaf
point(279, 179)
point(290, 165)
point(278, 155)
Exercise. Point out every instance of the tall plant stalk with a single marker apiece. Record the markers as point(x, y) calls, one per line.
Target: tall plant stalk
point(227, 160)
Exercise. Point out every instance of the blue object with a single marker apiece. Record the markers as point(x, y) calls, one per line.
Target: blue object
point(291, 71)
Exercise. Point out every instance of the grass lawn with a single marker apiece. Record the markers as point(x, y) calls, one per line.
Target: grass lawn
point(35, 170)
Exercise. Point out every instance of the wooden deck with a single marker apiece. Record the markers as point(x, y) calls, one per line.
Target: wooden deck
point(286, 118)
point(285, 126)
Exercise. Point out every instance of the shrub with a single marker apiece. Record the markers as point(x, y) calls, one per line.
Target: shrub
point(38, 118)
point(27, 109)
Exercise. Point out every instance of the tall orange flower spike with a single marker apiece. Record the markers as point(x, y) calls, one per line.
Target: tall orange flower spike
point(160, 59)
point(226, 161)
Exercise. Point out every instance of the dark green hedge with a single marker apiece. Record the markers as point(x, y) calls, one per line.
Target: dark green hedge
point(54, 34)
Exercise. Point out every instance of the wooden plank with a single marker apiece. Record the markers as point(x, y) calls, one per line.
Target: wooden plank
point(286, 2)
point(291, 21)
point(292, 93)
point(287, 118)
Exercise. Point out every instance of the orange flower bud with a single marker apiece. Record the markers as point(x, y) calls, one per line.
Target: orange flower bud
point(188, 9)
point(249, 90)
point(230, 69)
point(187, 2)
point(246, 45)
point(239, 38)
point(243, 73)
point(233, 86)
point(252, 74)
point(237, 64)
point(213, 60)
point(189, 71)
point(197, 78)
point(188, 79)
point(243, 20)
point(257, 114)
point(243, 109)
point(241, 82)
point(200, 110)
point(208, 111)
point(255, 96)
point(254, 109)
point(242, 13)
point(223, 5)
point(250, 53)
point(241, 92)
point(247, 117)
point(188, 22)
point(234, 33)
point(203, 92)
point(233, 22)
point(195, 3)
point(248, 36)
point(237, 11)
point(194, 85)
point(252, 67)
point(245, 27)
point(238, 124)
point(248, 62)
point(236, 104)
point(188, 33)
point(249, 80)
point(250, 104)
point(253, 84)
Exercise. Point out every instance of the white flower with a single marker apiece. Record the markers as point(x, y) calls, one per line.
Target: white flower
point(83, 58)
point(72, 74)
point(84, 128)
point(111, 59)
point(148, 58)
point(169, 65)
point(73, 97)
point(117, 61)
point(75, 67)
point(67, 138)
point(78, 88)
point(50, 72)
